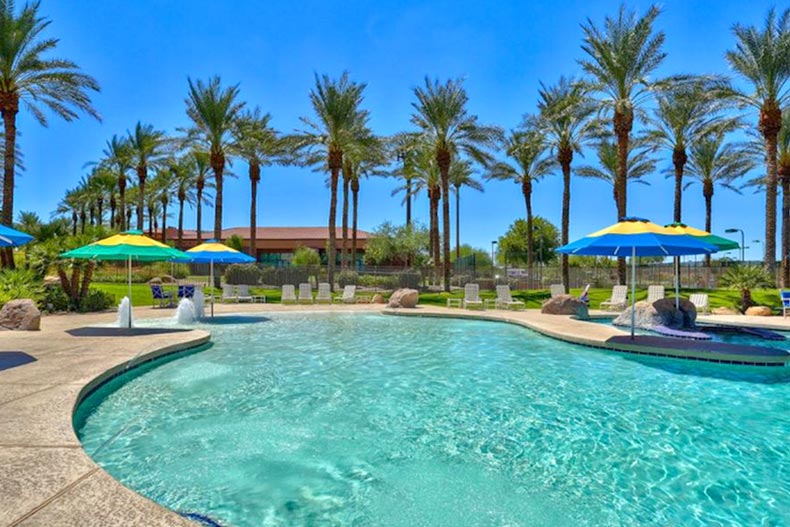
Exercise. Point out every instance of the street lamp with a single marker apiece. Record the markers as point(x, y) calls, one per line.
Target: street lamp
point(493, 251)
point(743, 242)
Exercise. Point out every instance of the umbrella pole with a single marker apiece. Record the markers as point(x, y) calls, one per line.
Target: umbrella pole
point(633, 291)
point(211, 284)
point(129, 271)
point(677, 282)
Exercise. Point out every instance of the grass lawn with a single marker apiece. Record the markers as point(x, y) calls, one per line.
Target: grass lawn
point(141, 295)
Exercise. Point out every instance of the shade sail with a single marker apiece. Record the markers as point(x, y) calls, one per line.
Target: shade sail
point(215, 252)
point(637, 237)
point(128, 245)
point(13, 238)
point(722, 244)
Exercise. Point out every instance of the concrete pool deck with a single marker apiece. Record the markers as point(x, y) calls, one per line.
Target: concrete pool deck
point(46, 478)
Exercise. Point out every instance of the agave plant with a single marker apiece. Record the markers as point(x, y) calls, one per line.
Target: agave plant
point(745, 278)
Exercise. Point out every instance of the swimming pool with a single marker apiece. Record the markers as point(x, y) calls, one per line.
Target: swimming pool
point(358, 419)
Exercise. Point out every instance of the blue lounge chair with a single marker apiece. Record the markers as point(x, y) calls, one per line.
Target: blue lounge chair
point(164, 297)
point(785, 296)
point(186, 291)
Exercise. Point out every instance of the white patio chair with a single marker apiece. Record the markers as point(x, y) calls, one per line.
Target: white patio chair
point(472, 297)
point(288, 295)
point(700, 301)
point(619, 298)
point(504, 299)
point(324, 295)
point(349, 295)
point(229, 293)
point(305, 293)
point(243, 293)
point(655, 292)
point(556, 290)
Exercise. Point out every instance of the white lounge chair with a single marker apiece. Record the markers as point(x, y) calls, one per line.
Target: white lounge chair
point(289, 294)
point(305, 293)
point(324, 294)
point(229, 293)
point(556, 290)
point(655, 292)
point(504, 300)
point(472, 297)
point(619, 298)
point(349, 295)
point(700, 301)
point(243, 293)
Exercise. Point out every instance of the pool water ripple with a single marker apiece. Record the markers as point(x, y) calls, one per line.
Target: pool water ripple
point(341, 419)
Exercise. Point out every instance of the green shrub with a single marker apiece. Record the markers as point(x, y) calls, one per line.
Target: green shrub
point(96, 300)
point(20, 283)
point(460, 280)
point(347, 277)
point(248, 274)
point(306, 256)
point(54, 299)
point(378, 281)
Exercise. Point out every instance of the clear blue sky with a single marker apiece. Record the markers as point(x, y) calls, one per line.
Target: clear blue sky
point(142, 52)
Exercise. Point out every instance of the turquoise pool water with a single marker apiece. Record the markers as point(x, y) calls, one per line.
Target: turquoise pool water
point(371, 420)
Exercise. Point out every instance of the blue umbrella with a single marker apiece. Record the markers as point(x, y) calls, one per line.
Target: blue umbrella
point(637, 237)
point(212, 251)
point(13, 238)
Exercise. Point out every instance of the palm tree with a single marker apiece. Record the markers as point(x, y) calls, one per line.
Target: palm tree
point(30, 77)
point(526, 148)
point(214, 111)
point(783, 173)
point(202, 163)
point(102, 185)
point(185, 179)
point(641, 164)
point(461, 176)
point(118, 158)
point(684, 112)
point(149, 148)
point(566, 117)
point(165, 185)
point(621, 57)
point(258, 144)
point(762, 57)
point(712, 162)
point(404, 148)
point(336, 104)
point(442, 118)
point(423, 174)
point(365, 159)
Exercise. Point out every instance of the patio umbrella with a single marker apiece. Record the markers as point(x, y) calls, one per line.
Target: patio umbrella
point(636, 237)
point(721, 244)
point(127, 246)
point(13, 238)
point(213, 251)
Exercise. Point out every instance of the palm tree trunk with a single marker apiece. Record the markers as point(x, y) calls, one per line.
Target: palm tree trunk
point(678, 161)
point(199, 211)
point(565, 157)
point(408, 202)
point(707, 192)
point(164, 222)
point(141, 175)
point(457, 223)
point(113, 218)
point(99, 212)
point(255, 176)
point(443, 161)
point(122, 203)
point(433, 199)
point(74, 222)
point(335, 164)
point(623, 124)
point(346, 184)
point(9, 107)
point(784, 177)
point(83, 219)
point(181, 200)
point(354, 214)
point(218, 165)
point(151, 221)
point(526, 189)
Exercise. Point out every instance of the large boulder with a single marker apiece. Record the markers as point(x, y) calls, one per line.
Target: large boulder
point(759, 311)
point(660, 313)
point(20, 315)
point(404, 298)
point(378, 298)
point(725, 311)
point(565, 305)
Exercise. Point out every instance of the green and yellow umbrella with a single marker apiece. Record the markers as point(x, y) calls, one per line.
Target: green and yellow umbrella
point(722, 244)
point(128, 246)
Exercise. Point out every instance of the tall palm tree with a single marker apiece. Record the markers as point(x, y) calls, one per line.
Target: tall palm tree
point(29, 76)
point(259, 145)
point(404, 147)
point(529, 163)
point(783, 173)
point(165, 185)
point(202, 162)
point(762, 57)
point(641, 164)
point(118, 158)
point(423, 174)
point(366, 158)
point(441, 116)
point(149, 148)
point(713, 162)
point(184, 172)
point(102, 183)
point(214, 111)
point(461, 175)
point(337, 125)
point(621, 57)
point(566, 114)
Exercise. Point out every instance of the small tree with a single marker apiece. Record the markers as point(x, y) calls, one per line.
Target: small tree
point(305, 256)
point(513, 245)
point(745, 278)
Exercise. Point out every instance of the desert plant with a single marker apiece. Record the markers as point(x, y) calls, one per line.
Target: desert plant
point(347, 277)
point(745, 278)
point(306, 256)
point(19, 283)
point(248, 274)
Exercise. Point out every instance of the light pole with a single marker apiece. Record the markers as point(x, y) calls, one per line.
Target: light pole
point(743, 242)
point(493, 253)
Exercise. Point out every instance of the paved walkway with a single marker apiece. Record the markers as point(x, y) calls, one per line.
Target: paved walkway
point(46, 479)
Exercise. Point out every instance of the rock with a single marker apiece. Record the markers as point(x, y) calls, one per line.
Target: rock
point(759, 311)
point(51, 280)
point(565, 305)
point(378, 298)
point(404, 298)
point(725, 311)
point(660, 313)
point(21, 315)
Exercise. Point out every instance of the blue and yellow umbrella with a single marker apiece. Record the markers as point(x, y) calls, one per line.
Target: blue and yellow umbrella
point(637, 237)
point(214, 252)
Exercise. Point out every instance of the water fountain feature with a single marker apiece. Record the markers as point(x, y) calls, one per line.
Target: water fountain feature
point(200, 303)
point(185, 313)
point(125, 313)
